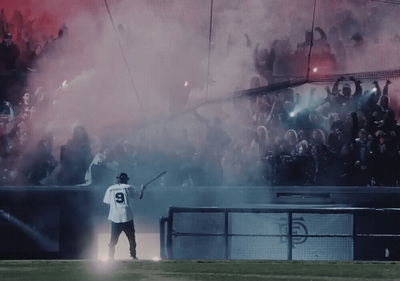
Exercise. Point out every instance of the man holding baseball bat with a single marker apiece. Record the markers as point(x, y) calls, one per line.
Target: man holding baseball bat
point(119, 197)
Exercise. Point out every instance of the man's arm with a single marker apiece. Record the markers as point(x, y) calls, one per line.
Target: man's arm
point(336, 84)
point(386, 88)
point(322, 33)
point(358, 90)
point(106, 198)
point(135, 193)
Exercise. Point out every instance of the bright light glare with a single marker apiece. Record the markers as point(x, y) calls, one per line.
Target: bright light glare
point(374, 89)
point(103, 258)
point(291, 114)
point(315, 69)
point(156, 258)
point(186, 83)
point(104, 265)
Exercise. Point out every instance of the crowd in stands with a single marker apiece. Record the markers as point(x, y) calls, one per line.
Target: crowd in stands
point(348, 138)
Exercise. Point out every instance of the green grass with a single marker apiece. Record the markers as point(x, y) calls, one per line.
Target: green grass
point(84, 270)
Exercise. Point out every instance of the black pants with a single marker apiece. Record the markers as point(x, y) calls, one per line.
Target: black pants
point(116, 229)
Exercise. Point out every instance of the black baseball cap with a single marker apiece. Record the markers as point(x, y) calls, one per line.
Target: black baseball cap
point(123, 176)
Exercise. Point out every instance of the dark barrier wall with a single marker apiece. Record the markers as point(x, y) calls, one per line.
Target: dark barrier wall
point(381, 235)
point(281, 233)
point(45, 223)
point(58, 222)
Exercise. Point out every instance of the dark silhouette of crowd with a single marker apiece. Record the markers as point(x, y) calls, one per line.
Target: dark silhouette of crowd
point(281, 62)
point(347, 135)
point(350, 137)
point(22, 46)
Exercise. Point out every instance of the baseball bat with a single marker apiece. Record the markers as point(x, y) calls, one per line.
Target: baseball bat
point(153, 179)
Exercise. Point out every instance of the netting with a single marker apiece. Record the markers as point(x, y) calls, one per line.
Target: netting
point(315, 234)
point(241, 234)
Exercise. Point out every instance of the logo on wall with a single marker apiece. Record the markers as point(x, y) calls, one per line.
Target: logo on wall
point(299, 231)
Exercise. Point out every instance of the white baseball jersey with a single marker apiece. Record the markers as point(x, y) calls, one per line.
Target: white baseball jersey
point(119, 196)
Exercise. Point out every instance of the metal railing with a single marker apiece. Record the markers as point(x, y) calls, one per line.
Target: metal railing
point(321, 233)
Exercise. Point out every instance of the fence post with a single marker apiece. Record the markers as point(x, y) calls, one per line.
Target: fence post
point(226, 235)
point(290, 236)
point(354, 234)
point(169, 234)
point(163, 254)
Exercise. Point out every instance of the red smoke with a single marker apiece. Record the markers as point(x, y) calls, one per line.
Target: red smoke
point(48, 15)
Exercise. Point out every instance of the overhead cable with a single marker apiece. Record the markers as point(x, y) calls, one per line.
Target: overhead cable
point(122, 52)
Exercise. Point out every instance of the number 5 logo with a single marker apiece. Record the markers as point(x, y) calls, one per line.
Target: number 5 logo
point(119, 197)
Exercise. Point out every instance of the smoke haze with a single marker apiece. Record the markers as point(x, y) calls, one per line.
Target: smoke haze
point(166, 43)
point(158, 58)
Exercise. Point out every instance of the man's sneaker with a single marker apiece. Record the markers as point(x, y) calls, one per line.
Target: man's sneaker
point(135, 258)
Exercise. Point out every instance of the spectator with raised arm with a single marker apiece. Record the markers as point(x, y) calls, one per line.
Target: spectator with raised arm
point(216, 140)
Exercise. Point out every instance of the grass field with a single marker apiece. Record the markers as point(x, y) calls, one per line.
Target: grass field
point(85, 270)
